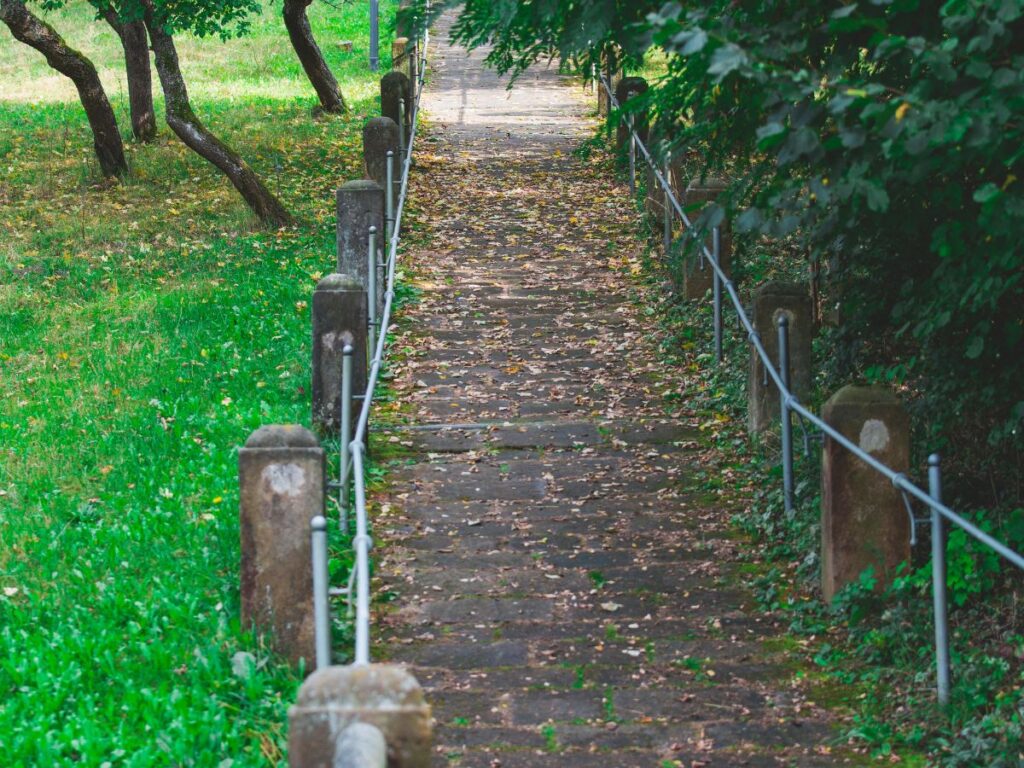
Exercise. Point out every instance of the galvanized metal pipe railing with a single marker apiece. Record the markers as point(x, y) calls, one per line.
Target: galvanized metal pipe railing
point(940, 512)
point(352, 469)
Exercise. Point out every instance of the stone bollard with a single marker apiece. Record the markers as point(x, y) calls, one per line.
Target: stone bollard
point(380, 134)
point(864, 522)
point(385, 696)
point(654, 203)
point(627, 88)
point(698, 276)
point(399, 51)
point(402, 28)
point(360, 206)
point(393, 87)
point(281, 482)
point(339, 318)
point(612, 72)
point(772, 300)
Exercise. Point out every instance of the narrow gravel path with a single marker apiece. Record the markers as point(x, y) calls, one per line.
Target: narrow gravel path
point(564, 592)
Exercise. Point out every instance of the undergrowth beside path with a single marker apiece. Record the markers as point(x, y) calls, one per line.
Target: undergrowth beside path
point(874, 652)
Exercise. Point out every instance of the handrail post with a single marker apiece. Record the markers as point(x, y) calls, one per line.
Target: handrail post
point(321, 607)
point(668, 201)
point(787, 421)
point(632, 156)
point(346, 432)
point(939, 581)
point(716, 249)
point(371, 283)
point(389, 197)
point(361, 566)
point(402, 149)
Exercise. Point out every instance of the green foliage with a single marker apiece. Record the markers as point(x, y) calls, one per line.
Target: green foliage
point(882, 140)
point(879, 644)
point(145, 330)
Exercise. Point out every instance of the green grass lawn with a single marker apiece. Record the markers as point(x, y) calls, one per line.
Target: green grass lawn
point(146, 327)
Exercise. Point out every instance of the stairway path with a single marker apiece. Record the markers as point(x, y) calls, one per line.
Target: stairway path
point(564, 590)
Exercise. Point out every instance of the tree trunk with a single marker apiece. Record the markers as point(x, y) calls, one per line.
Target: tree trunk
point(312, 59)
point(36, 33)
point(140, 77)
point(198, 138)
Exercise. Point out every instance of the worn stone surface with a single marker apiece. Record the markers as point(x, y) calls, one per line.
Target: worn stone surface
point(395, 86)
point(771, 301)
point(626, 89)
point(864, 522)
point(382, 695)
point(399, 51)
point(339, 319)
point(281, 488)
point(380, 136)
point(360, 206)
point(654, 203)
point(566, 589)
point(698, 276)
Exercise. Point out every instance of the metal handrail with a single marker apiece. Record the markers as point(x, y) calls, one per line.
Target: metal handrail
point(357, 446)
point(353, 450)
point(790, 403)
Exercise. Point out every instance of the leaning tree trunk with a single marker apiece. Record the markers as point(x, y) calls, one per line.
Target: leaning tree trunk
point(140, 77)
point(198, 138)
point(36, 33)
point(312, 59)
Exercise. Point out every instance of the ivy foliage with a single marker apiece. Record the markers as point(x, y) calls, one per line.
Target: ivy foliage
point(883, 139)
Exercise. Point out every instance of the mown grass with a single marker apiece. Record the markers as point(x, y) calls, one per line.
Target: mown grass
point(146, 327)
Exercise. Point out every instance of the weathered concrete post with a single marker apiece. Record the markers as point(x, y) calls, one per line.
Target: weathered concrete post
point(384, 696)
point(401, 19)
point(772, 300)
point(395, 86)
point(864, 522)
point(339, 317)
point(698, 276)
point(399, 52)
point(654, 203)
point(403, 30)
point(627, 88)
point(360, 206)
point(281, 483)
point(380, 135)
point(612, 71)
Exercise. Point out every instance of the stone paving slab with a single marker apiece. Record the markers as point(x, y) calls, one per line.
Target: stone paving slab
point(566, 591)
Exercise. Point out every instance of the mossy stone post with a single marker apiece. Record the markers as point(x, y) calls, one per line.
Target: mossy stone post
point(612, 73)
point(773, 300)
point(626, 89)
point(864, 523)
point(654, 203)
point(399, 52)
point(281, 483)
point(380, 135)
point(698, 276)
point(401, 20)
point(340, 317)
point(360, 206)
point(332, 700)
point(395, 86)
point(403, 31)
